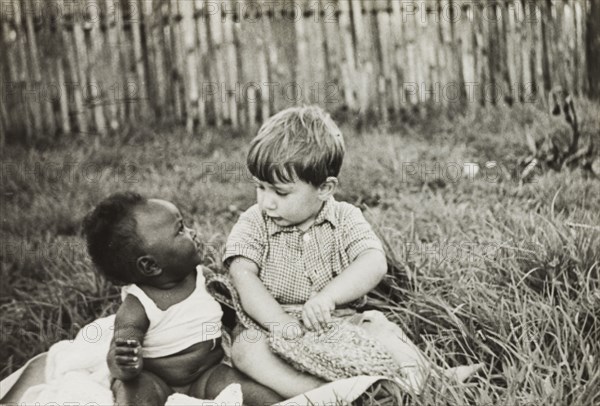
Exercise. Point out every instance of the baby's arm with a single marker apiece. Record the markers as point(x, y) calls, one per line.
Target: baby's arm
point(256, 299)
point(125, 354)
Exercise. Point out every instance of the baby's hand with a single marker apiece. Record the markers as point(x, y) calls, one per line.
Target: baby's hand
point(128, 356)
point(317, 311)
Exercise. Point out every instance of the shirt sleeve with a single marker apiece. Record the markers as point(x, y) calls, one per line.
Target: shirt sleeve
point(358, 236)
point(247, 238)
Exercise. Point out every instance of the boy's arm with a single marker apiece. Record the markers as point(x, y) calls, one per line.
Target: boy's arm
point(256, 299)
point(367, 267)
point(124, 357)
point(358, 279)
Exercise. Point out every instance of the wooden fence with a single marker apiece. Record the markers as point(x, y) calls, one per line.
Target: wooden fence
point(92, 66)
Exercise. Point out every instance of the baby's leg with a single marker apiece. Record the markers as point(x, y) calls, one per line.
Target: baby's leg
point(213, 381)
point(145, 389)
point(250, 354)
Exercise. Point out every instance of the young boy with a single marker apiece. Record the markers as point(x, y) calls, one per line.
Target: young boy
point(297, 245)
point(167, 330)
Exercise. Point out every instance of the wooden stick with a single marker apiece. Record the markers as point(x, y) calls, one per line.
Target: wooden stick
point(360, 74)
point(229, 54)
point(4, 43)
point(63, 97)
point(547, 60)
point(178, 63)
point(525, 47)
point(267, 67)
point(35, 78)
point(217, 66)
point(81, 60)
point(579, 49)
point(115, 111)
point(203, 58)
point(72, 73)
point(329, 20)
point(128, 91)
point(386, 56)
point(370, 86)
point(512, 61)
point(397, 76)
point(96, 99)
point(150, 20)
point(47, 54)
point(348, 59)
point(191, 79)
point(138, 59)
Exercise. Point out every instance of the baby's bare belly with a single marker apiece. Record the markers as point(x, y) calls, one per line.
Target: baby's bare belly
point(187, 365)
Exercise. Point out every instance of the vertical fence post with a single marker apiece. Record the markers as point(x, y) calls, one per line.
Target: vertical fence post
point(231, 86)
point(189, 51)
point(96, 97)
point(202, 41)
point(217, 67)
point(593, 49)
point(348, 59)
point(25, 76)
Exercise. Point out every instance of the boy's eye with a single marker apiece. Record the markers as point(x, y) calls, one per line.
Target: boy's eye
point(281, 193)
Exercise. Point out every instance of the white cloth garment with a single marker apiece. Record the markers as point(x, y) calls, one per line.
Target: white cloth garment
point(196, 318)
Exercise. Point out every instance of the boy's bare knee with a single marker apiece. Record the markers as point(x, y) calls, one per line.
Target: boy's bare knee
point(240, 354)
point(245, 348)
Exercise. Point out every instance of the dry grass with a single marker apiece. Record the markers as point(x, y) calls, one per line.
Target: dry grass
point(483, 269)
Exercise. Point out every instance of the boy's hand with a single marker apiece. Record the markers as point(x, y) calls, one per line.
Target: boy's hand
point(128, 356)
point(317, 311)
point(290, 329)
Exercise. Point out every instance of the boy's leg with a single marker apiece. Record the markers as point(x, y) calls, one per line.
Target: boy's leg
point(213, 381)
point(250, 354)
point(146, 389)
point(33, 374)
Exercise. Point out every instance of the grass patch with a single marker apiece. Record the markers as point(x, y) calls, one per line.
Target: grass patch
point(482, 268)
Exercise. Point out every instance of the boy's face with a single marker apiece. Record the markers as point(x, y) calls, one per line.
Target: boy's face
point(173, 245)
point(288, 204)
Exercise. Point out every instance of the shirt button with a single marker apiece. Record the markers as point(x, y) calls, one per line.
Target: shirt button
point(306, 237)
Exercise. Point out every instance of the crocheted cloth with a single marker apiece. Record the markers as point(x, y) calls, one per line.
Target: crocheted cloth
point(342, 351)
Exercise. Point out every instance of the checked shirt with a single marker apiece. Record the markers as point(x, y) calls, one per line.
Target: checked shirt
point(293, 265)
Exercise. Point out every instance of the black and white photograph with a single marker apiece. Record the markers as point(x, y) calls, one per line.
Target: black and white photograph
point(300, 202)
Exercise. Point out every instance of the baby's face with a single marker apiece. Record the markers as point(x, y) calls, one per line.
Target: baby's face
point(287, 204)
point(173, 245)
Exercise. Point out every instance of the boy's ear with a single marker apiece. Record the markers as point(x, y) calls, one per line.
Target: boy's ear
point(327, 188)
point(148, 266)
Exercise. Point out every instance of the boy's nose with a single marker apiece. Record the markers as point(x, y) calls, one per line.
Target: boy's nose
point(268, 203)
point(269, 206)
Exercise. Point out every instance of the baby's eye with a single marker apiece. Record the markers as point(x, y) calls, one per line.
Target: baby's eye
point(281, 193)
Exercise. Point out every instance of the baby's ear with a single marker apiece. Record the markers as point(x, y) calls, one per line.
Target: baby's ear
point(148, 266)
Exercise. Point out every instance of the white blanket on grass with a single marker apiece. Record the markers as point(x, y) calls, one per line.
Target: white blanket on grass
point(77, 373)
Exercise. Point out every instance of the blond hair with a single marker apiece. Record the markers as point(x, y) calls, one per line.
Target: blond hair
point(298, 142)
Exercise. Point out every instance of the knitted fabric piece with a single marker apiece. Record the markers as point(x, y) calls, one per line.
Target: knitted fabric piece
point(342, 351)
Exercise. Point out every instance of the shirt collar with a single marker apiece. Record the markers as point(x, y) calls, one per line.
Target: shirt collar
point(327, 213)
